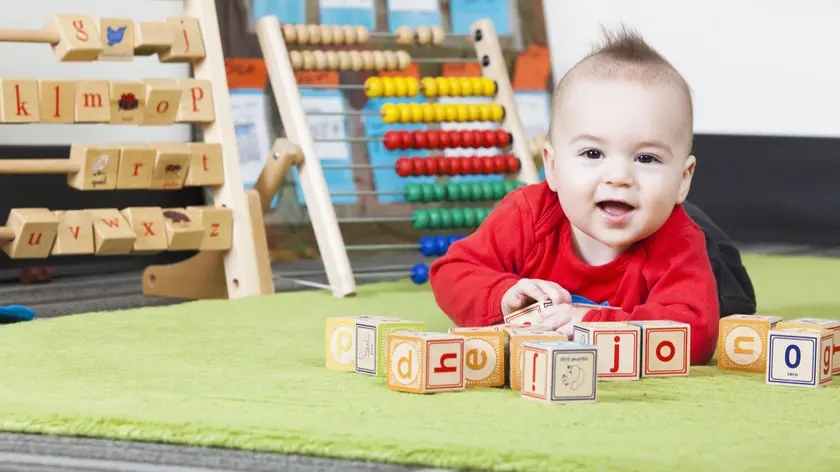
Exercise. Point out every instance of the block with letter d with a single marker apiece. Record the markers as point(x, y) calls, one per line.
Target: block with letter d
point(341, 341)
point(372, 342)
point(742, 342)
point(484, 356)
point(830, 325)
point(559, 371)
point(618, 347)
point(800, 357)
point(665, 348)
point(425, 362)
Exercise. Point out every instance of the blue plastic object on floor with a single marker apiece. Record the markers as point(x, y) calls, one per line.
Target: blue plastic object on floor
point(579, 299)
point(15, 313)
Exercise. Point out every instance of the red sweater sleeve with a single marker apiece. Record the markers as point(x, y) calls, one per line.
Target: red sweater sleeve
point(683, 289)
point(470, 279)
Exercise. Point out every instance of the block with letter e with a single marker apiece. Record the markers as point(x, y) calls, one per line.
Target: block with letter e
point(372, 342)
point(830, 325)
point(484, 355)
point(618, 348)
point(341, 341)
point(423, 362)
point(665, 348)
point(742, 342)
point(799, 357)
point(559, 371)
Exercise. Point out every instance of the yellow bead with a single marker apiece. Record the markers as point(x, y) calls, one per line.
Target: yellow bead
point(454, 86)
point(388, 87)
point(405, 112)
point(463, 112)
point(443, 86)
point(489, 87)
point(400, 86)
point(416, 113)
point(440, 112)
point(472, 111)
point(430, 88)
point(412, 86)
point(477, 85)
point(428, 113)
point(390, 113)
point(484, 112)
point(466, 86)
point(373, 87)
point(451, 112)
point(497, 113)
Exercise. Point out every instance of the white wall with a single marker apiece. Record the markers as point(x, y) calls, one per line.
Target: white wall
point(37, 61)
point(759, 67)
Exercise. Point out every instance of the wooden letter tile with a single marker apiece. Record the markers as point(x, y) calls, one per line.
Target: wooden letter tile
point(196, 102)
point(188, 45)
point(35, 230)
point(111, 232)
point(163, 98)
point(183, 232)
point(218, 226)
point(117, 39)
point(78, 38)
point(152, 37)
point(20, 101)
point(127, 102)
point(148, 227)
point(205, 165)
point(57, 101)
point(137, 163)
point(93, 101)
point(75, 233)
point(171, 165)
point(97, 167)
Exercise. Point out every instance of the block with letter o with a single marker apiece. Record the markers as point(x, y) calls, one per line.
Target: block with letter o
point(800, 357)
point(423, 362)
point(818, 323)
point(742, 342)
point(665, 348)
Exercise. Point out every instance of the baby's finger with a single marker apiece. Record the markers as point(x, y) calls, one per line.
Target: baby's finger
point(555, 292)
point(528, 288)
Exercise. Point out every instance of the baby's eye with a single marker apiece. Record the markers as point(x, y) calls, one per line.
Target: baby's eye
point(592, 153)
point(646, 159)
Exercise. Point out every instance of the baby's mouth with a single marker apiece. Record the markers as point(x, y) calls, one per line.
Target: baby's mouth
point(615, 208)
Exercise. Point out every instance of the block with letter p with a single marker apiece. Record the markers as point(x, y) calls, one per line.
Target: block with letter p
point(830, 325)
point(799, 357)
point(559, 372)
point(484, 356)
point(341, 340)
point(372, 342)
point(665, 348)
point(742, 342)
point(618, 348)
point(423, 362)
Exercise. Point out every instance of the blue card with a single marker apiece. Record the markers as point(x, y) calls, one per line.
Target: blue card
point(287, 11)
point(348, 12)
point(413, 13)
point(463, 13)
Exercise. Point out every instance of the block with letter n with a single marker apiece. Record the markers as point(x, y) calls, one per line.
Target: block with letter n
point(665, 348)
point(799, 357)
point(423, 362)
point(559, 372)
point(372, 342)
point(742, 342)
point(821, 323)
point(618, 348)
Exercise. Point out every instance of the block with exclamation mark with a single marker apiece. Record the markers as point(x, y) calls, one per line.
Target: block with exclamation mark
point(559, 372)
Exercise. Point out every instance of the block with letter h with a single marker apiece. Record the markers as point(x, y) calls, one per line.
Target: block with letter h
point(559, 372)
point(742, 342)
point(820, 323)
point(484, 355)
point(800, 357)
point(619, 348)
point(423, 362)
point(341, 340)
point(666, 348)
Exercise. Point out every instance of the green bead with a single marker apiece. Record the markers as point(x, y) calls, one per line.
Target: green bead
point(412, 193)
point(510, 186)
point(446, 218)
point(438, 192)
point(469, 218)
point(420, 219)
point(477, 191)
point(499, 190)
point(434, 218)
point(453, 192)
point(485, 212)
point(457, 217)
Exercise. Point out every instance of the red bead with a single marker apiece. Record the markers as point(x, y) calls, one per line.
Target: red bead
point(503, 137)
point(490, 138)
point(512, 163)
point(499, 165)
point(432, 139)
point(406, 141)
point(417, 166)
point(403, 167)
point(454, 139)
point(467, 139)
point(431, 166)
point(420, 141)
point(465, 166)
point(478, 138)
point(443, 166)
point(454, 165)
point(391, 140)
point(475, 165)
point(487, 165)
point(445, 142)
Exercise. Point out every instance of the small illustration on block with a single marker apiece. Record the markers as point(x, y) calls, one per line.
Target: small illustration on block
point(559, 371)
point(665, 348)
point(372, 342)
point(341, 341)
point(800, 357)
point(484, 356)
point(530, 315)
point(822, 323)
point(742, 342)
point(619, 348)
point(423, 362)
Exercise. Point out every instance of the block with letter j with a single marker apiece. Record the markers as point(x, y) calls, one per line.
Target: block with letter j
point(618, 348)
point(422, 362)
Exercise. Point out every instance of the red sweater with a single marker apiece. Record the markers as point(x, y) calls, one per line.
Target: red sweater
point(668, 276)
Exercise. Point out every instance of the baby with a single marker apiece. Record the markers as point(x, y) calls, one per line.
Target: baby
point(608, 222)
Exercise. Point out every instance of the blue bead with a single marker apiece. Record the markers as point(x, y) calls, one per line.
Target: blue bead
point(428, 247)
point(419, 273)
point(441, 245)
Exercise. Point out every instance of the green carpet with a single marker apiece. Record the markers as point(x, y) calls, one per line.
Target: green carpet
point(249, 374)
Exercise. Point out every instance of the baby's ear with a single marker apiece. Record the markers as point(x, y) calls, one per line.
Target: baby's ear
point(687, 175)
point(548, 165)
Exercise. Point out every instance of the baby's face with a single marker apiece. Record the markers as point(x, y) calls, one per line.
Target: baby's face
point(620, 158)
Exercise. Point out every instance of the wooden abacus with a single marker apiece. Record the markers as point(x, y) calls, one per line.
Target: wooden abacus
point(282, 64)
point(228, 234)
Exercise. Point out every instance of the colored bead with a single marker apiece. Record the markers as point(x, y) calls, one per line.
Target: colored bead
point(488, 87)
point(466, 86)
point(417, 166)
point(454, 86)
point(412, 86)
point(487, 191)
point(445, 223)
point(467, 140)
point(405, 139)
point(440, 112)
point(427, 193)
point(416, 113)
point(428, 246)
point(451, 112)
point(443, 166)
point(419, 138)
point(420, 219)
point(391, 140)
point(388, 87)
point(390, 113)
point(463, 112)
point(512, 163)
point(403, 166)
point(373, 87)
point(509, 186)
point(473, 113)
point(434, 218)
point(484, 112)
point(405, 112)
point(430, 88)
point(419, 274)
point(432, 139)
point(445, 143)
point(413, 193)
point(504, 138)
point(438, 193)
point(457, 217)
point(400, 86)
point(477, 85)
point(441, 243)
point(499, 190)
point(443, 86)
point(499, 164)
point(454, 138)
point(489, 138)
point(428, 113)
point(453, 192)
point(430, 165)
point(497, 112)
point(469, 217)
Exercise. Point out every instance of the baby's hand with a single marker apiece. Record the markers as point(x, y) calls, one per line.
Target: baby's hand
point(528, 291)
point(562, 318)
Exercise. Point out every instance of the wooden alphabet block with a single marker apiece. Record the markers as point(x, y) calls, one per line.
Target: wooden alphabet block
point(372, 343)
point(117, 39)
point(530, 315)
point(19, 101)
point(183, 232)
point(666, 348)
point(35, 230)
point(57, 101)
point(78, 39)
point(137, 164)
point(830, 325)
point(618, 348)
point(188, 45)
point(93, 103)
point(127, 102)
point(484, 356)
point(218, 227)
point(559, 372)
point(75, 233)
point(205, 165)
point(149, 229)
point(112, 235)
point(152, 37)
point(341, 341)
point(519, 336)
point(742, 342)
point(98, 167)
point(800, 357)
point(425, 362)
point(196, 104)
point(163, 97)
point(171, 165)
